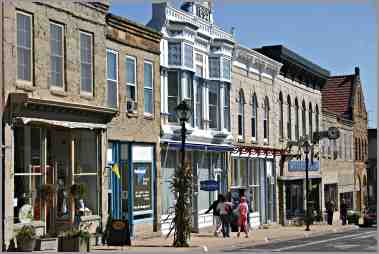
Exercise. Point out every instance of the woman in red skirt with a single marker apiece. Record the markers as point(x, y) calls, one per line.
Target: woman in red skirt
point(243, 212)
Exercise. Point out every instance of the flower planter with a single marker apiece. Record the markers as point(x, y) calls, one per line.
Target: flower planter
point(73, 244)
point(44, 244)
point(26, 245)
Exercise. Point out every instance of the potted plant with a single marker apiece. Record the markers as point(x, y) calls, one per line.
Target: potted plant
point(74, 240)
point(26, 238)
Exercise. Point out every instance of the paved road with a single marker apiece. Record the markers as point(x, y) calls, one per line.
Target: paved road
point(360, 240)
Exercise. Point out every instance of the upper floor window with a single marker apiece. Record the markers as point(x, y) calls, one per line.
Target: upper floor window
point(173, 95)
point(266, 118)
point(241, 113)
point(148, 87)
point(297, 128)
point(317, 119)
point(199, 104)
point(281, 116)
point(174, 53)
point(112, 78)
point(199, 62)
point(188, 56)
point(254, 117)
point(213, 97)
point(310, 119)
point(226, 69)
point(289, 120)
point(227, 107)
point(303, 119)
point(214, 67)
point(131, 81)
point(56, 55)
point(24, 47)
point(86, 62)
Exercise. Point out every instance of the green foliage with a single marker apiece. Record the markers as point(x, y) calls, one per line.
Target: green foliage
point(74, 232)
point(26, 233)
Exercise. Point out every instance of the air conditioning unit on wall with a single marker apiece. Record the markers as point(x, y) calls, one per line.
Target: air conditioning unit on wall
point(131, 106)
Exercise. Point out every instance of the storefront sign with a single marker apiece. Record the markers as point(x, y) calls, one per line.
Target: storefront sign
point(300, 166)
point(209, 185)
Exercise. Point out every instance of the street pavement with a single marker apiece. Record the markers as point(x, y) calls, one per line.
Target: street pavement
point(361, 240)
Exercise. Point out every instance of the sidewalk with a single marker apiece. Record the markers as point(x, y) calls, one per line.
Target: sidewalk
point(206, 238)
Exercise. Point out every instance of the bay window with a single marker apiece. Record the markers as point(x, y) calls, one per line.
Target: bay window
point(227, 107)
point(214, 67)
point(188, 56)
point(112, 78)
point(148, 87)
point(86, 62)
point(199, 62)
point(56, 55)
point(173, 95)
point(214, 96)
point(174, 53)
point(131, 81)
point(24, 47)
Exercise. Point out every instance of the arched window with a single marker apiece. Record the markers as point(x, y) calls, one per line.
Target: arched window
point(254, 117)
point(297, 128)
point(266, 117)
point(310, 116)
point(281, 131)
point(356, 149)
point(241, 113)
point(303, 119)
point(317, 119)
point(289, 122)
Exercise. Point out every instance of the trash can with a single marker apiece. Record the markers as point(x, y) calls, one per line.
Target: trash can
point(119, 233)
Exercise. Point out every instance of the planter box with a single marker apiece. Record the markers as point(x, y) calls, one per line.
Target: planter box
point(50, 244)
point(73, 244)
point(27, 245)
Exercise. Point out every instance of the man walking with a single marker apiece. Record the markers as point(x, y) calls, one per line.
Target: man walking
point(216, 214)
point(330, 211)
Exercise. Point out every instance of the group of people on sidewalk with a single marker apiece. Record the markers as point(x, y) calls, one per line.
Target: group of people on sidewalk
point(225, 212)
point(330, 208)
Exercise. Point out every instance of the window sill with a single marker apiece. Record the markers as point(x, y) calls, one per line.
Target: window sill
point(25, 85)
point(58, 92)
point(87, 96)
point(148, 116)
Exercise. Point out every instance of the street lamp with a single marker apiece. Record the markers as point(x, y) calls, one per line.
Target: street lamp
point(182, 185)
point(307, 148)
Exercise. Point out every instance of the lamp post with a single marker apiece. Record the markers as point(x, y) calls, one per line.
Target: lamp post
point(182, 185)
point(307, 148)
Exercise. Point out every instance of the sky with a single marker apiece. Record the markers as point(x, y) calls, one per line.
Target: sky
point(336, 35)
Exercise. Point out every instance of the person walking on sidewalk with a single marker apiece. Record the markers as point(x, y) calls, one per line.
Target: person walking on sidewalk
point(243, 209)
point(330, 211)
point(223, 208)
point(343, 212)
point(216, 214)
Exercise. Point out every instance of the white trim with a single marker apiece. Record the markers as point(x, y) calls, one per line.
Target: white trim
point(135, 77)
point(29, 82)
point(117, 78)
point(52, 86)
point(28, 174)
point(80, 63)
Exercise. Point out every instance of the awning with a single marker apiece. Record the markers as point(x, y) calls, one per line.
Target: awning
point(198, 146)
point(66, 124)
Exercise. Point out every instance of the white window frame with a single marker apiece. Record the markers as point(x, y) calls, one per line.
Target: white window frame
point(266, 117)
point(29, 82)
point(149, 114)
point(198, 63)
point(222, 63)
point(63, 57)
point(185, 54)
point(135, 77)
point(117, 78)
point(92, 63)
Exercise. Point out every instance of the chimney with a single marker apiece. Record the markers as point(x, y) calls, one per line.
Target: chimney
point(357, 71)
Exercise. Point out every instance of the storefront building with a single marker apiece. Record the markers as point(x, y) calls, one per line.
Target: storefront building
point(254, 159)
point(297, 105)
point(372, 168)
point(54, 119)
point(195, 66)
point(133, 154)
point(337, 164)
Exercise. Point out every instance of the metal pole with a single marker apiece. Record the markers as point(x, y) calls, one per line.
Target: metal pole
point(182, 150)
point(306, 192)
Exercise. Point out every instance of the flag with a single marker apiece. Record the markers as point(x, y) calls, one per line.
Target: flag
point(116, 170)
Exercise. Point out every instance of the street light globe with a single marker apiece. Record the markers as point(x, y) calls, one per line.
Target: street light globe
point(306, 147)
point(183, 111)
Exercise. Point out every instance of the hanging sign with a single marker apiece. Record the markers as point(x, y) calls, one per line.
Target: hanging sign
point(209, 185)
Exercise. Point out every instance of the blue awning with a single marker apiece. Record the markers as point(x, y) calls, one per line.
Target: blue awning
point(203, 147)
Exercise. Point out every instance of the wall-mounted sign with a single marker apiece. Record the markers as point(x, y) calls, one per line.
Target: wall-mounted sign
point(295, 165)
point(209, 185)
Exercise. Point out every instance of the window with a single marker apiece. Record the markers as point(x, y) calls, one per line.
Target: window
point(213, 97)
point(281, 127)
point(241, 114)
point(131, 81)
point(227, 107)
point(310, 122)
point(148, 87)
point(297, 131)
point(24, 47)
point(304, 121)
point(173, 95)
point(317, 119)
point(214, 67)
point(254, 117)
point(254, 184)
point(199, 61)
point(112, 78)
point(266, 118)
point(86, 59)
point(174, 53)
point(289, 122)
point(199, 105)
point(188, 56)
point(226, 69)
point(187, 86)
point(57, 55)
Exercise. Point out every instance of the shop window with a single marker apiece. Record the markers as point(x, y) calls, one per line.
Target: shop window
point(214, 67)
point(29, 174)
point(131, 81)
point(148, 75)
point(174, 53)
point(86, 62)
point(254, 184)
point(57, 55)
point(188, 56)
point(213, 98)
point(112, 78)
point(169, 163)
point(173, 95)
point(203, 173)
point(24, 46)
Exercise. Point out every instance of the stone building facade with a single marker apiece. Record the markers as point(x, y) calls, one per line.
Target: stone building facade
point(54, 113)
point(372, 168)
point(133, 57)
point(337, 163)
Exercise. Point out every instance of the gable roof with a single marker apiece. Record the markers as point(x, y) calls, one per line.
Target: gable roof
point(337, 94)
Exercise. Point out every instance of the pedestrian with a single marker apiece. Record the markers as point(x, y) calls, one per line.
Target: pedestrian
point(223, 209)
point(216, 214)
point(243, 209)
point(330, 211)
point(343, 212)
